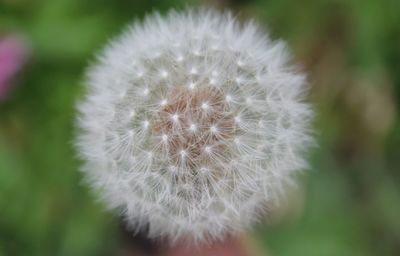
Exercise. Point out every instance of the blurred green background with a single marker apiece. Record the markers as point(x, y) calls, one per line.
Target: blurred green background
point(349, 202)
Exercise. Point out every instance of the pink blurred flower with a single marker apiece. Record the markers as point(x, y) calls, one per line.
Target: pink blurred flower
point(13, 55)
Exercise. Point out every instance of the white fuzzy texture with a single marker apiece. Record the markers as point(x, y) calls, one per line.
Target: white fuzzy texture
point(193, 125)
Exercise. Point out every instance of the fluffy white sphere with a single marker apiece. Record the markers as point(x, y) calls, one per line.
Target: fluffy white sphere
point(192, 124)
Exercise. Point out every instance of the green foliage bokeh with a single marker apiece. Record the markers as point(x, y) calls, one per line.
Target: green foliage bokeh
point(349, 200)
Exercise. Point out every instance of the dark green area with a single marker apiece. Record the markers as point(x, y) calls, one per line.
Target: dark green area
point(350, 202)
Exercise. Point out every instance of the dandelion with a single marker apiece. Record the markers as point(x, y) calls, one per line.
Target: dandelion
point(192, 125)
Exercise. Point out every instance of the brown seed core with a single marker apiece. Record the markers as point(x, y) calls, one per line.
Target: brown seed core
point(194, 126)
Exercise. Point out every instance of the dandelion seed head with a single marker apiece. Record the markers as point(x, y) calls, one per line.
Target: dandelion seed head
point(189, 138)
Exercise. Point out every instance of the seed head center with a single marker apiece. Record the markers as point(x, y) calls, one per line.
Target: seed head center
point(194, 126)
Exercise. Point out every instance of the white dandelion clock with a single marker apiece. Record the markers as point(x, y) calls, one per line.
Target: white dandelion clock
point(192, 125)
